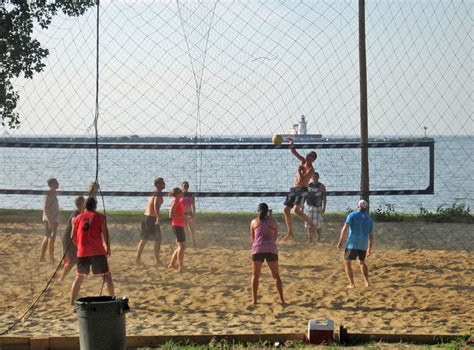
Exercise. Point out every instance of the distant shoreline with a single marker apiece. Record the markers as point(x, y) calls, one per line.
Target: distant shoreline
point(203, 139)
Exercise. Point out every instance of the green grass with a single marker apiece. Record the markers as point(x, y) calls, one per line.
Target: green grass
point(387, 214)
point(457, 212)
point(460, 343)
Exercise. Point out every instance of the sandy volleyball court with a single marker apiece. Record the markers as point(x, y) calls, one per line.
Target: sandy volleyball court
point(421, 275)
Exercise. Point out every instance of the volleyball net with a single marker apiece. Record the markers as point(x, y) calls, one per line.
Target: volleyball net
point(240, 171)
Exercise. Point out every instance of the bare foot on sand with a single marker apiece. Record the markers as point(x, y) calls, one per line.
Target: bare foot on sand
point(350, 286)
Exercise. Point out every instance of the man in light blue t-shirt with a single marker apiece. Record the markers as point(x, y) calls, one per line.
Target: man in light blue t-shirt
point(359, 243)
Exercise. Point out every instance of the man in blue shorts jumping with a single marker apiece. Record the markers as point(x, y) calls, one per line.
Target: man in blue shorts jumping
point(359, 243)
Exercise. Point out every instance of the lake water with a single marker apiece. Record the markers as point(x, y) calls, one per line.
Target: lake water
point(242, 170)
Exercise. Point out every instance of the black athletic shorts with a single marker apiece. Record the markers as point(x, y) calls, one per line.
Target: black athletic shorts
point(296, 196)
point(179, 233)
point(269, 257)
point(150, 230)
point(352, 254)
point(98, 263)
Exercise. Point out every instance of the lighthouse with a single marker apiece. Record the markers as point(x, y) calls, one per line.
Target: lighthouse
point(299, 132)
point(302, 126)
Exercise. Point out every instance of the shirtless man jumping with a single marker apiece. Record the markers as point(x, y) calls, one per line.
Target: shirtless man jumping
point(295, 199)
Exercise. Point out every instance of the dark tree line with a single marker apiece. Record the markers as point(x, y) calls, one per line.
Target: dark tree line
point(20, 54)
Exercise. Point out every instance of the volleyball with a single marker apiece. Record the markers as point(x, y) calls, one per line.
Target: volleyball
point(277, 139)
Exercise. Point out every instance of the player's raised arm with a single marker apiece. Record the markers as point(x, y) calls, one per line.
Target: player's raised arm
point(294, 151)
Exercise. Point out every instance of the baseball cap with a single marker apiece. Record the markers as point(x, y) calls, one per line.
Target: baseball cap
point(362, 204)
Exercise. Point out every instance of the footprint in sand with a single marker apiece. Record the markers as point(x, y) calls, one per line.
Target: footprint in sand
point(251, 307)
point(138, 329)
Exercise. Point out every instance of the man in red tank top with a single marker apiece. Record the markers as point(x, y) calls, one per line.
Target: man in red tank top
point(89, 234)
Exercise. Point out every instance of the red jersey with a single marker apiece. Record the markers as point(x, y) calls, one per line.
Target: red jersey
point(88, 237)
point(179, 210)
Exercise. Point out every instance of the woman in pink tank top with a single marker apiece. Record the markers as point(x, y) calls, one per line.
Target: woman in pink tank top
point(264, 233)
point(189, 210)
point(177, 224)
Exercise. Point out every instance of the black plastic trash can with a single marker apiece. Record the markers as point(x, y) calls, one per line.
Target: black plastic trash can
point(102, 322)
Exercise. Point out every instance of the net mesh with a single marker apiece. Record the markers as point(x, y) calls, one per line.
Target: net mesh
point(203, 71)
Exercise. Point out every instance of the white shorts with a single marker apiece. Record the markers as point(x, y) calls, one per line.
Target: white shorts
point(316, 216)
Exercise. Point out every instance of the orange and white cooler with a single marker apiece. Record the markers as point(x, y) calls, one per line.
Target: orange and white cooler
point(320, 331)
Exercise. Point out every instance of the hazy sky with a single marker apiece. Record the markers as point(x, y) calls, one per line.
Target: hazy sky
point(259, 65)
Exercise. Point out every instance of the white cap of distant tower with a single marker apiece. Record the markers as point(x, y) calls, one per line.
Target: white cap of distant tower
point(302, 130)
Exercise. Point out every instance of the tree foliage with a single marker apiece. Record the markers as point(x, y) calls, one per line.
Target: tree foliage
point(20, 54)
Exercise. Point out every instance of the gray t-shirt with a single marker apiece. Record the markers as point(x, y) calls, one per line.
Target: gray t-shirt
point(52, 205)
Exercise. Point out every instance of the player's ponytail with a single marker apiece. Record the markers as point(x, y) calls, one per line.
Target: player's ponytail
point(262, 210)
